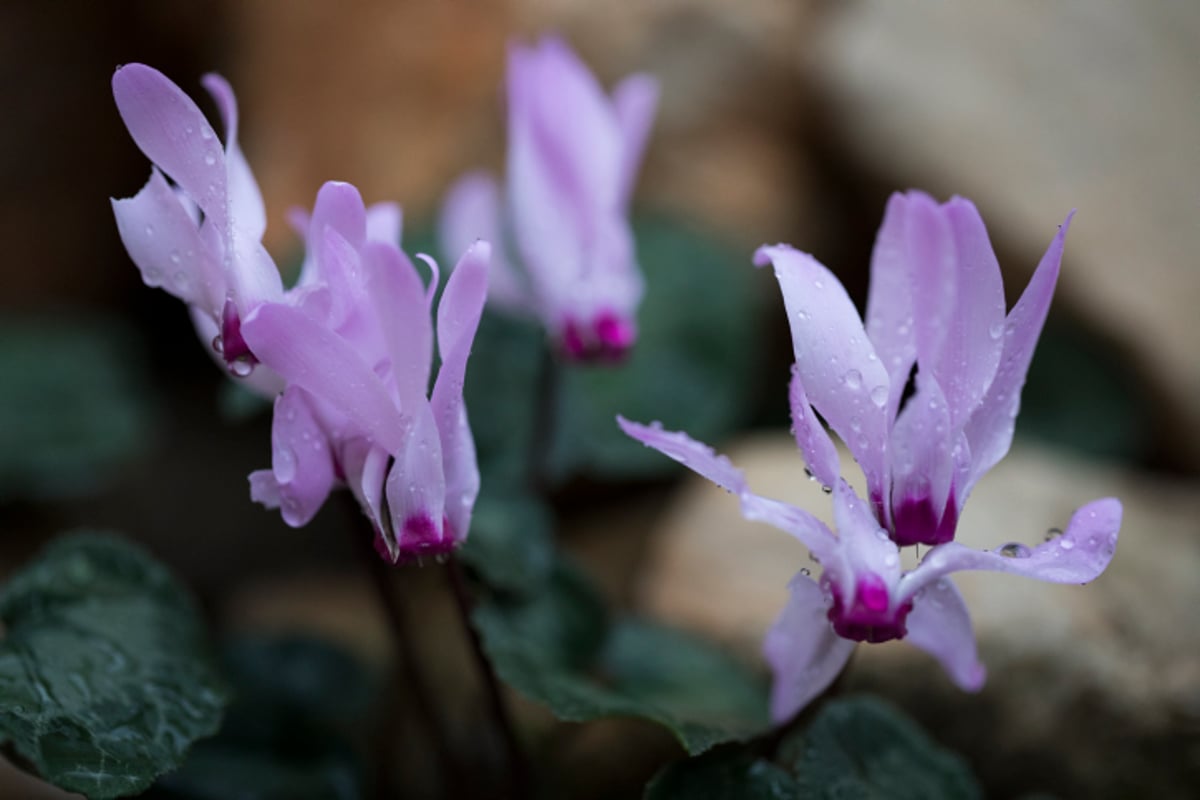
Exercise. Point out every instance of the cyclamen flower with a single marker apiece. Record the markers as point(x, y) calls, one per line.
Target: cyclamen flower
point(356, 351)
point(936, 302)
point(573, 157)
point(199, 238)
point(863, 593)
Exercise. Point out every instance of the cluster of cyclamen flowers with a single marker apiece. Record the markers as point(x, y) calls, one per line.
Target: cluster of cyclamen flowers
point(347, 352)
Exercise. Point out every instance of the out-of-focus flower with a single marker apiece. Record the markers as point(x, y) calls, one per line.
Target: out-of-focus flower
point(356, 351)
point(573, 156)
point(937, 303)
point(864, 594)
point(199, 235)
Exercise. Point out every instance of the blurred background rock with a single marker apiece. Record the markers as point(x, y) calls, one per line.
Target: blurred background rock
point(781, 121)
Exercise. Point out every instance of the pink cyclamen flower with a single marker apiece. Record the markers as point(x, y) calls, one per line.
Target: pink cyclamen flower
point(199, 235)
point(936, 302)
point(356, 351)
point(865, 595)
point(573, 157)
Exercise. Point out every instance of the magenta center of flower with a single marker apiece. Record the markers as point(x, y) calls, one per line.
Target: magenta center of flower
point(233, 348)
point(608, 337)
point(869, 618)
point(422, 538)
point(916, 521)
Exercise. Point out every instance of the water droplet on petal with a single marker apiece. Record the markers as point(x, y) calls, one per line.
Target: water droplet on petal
point(210, 159)
point(818, 285)
point(805, 571)
point(149, 231)
point(241, 367)
point(1014, 550)
point(879, 396)
point(852, 379)
point(827, 489)
point(801, 315)
point(175, 258)
point(1067, 544)
point(996, 331)
point(1053, 533)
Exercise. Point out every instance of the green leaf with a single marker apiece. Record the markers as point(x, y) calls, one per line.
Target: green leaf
point(1079, 396)
point(726, 773)
point(860, 748)
point(287, 734)
point(510, 547)
point(559, 648)
point(105, 678)
point(73, 405)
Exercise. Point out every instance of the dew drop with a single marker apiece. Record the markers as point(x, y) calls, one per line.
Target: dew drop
point(241, 367)
point(818, 285)
point(1053, 533)
point(805, 571)
point(879, 396)
point(809, 474)
point(205, 132)
point(891, 560)
point(175, 258)
point(996, 331)
point(827, 489)
point(1067, 544)
point(149, 231)
point(853, 379)
point(801, 315)
point(1014, 550)
point(218, 344)
point(210, 159)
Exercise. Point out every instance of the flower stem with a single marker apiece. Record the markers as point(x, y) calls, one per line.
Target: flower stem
point(545, 413)
point(518, 765)
point(410, 677)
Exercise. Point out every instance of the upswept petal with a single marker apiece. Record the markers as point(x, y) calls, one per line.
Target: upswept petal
point(889, 320)
point(301, 462)
point(932, 268)
point(575, 125)
point(703, 460)
point(1079, 555)
point(635, 102)
point(835, 360)
point(173, 133)
point(165, 245)
point(966, 362)
point(696, 456)
point(471, 212)
point(245, 199)
point(385, 223)
point(940, 625)
point(990, 429)
point(395, 288)
point(309, 355)
point(804, 653)
point(416, 489)
point(818, 449)
point(364, 467)
point(339, 206)
point(863, 546)
point(922, 444)
point(458, 319)
point(809, 530)
point(547, 231)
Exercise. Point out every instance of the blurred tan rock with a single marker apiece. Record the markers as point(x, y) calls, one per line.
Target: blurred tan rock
point(1066, 663)
point(1034, 109)
point(401, 98)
